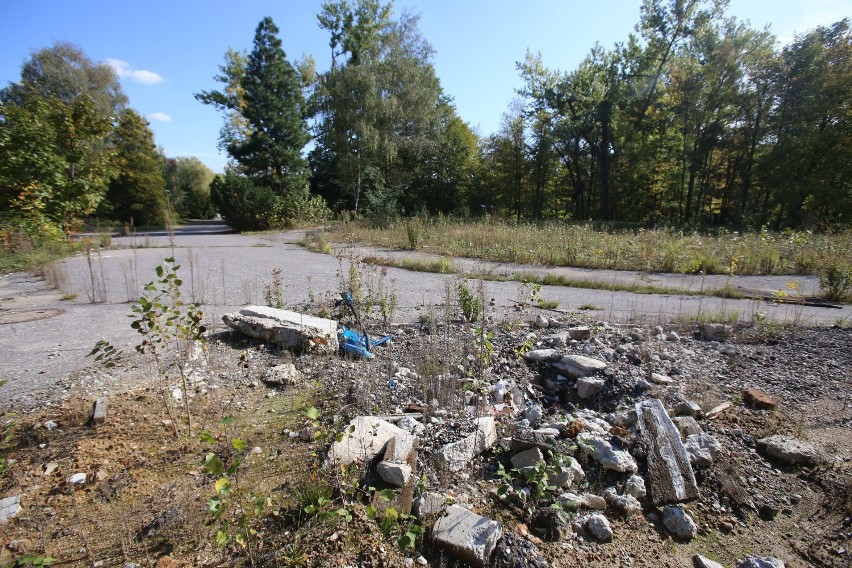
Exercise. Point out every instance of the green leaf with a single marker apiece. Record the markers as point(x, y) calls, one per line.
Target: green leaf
point(313, 412)
point(206, 437)
point(213, 465)
point(239, 444)
point(405, 542)
point(223, 486)
point(227, 420)
point(387, 494)
point(234, 467)
point(371, 512)
point(392, 514)
point(222, 538)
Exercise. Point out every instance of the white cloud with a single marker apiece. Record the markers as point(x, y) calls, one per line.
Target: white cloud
point(160, 117)
point(144, 76)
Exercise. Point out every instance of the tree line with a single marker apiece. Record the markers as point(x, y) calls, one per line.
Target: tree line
point(71, 149)
point(695, 119)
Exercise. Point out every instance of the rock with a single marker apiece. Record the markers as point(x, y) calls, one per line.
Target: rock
point(688, 408)
point(789, 450)
point(527, 458)
point(515, 551)
point(580, 333)
point(627, 505)
point(291, 330)
point(396, 474)
point(283, 375)
point(456, 456)
point(542, 355)
point(659, 379)
point(598, 527)
point(570, 501)
point(576, 366)
point(402, 449)
point(718, 409)
point(467, 535)
point(699, 561)
point(552, 525)
point(678, 523)
point(592, 501)
point(100, 411)
point(761, 562)
point(77, 479)
point(759, 399)
point(686, 425)
point(672, 336)
point(635, 486)
point(702, 449)
point(533, 413)
point(541, 322)
point(717, 331)
point(430, 503)
point(50, 425)
point(587, 387)
point(411, 424)
point(363, 439)
point(603, 453)
point(669, 471)
point(9, 507)
point(563, 475)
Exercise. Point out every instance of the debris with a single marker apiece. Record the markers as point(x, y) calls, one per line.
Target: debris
point(761, 562)
point(669, 470)
point(355, 343)
point(702, 449)
point(635, 486)
point(542, 355)
point(100, 411)
point(9, 507)
point(527, 458)
point(588, 387)
point(363, 439)
point(789, 450)
point(580, 333)
point(604, 454)
point(688, 408)
point(291, 330)
point(717, 331)
point(678, 523)
point(77, 479)
point(598, 527)
point(468, 535)
point(455, 456)
point(283, 375)
point(759, 399)
point(660, 379)
point(576, 366)
point(699, 561)
point(396, 474)
point(716, 410)
point(430, 503)
point(686, 425)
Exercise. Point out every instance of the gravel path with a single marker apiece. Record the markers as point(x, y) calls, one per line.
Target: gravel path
point(43, 338)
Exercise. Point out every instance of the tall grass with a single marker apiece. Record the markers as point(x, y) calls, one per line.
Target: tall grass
point(583, 246)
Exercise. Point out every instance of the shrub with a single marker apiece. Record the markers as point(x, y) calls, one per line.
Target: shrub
point(836, 282)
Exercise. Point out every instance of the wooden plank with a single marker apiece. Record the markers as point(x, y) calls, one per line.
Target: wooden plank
point(670, 474)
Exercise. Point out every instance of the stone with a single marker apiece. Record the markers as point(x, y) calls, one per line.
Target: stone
point(469, 536)
point(699, 561)
point(576, 366)
point(789, 450)
point(702, 449)
point(688, 408)
point(363, 440)
point(429, 503)
point(588, 387)
point(686, 425)
point(283, 375)
point(50, 425)
point(565, 475)
point(552, 525)
point(411, 424)
point(598, 527)
point(669, 470)
point(455, 456)
point(672, 336)
point(627, 505)
point(396, 474)
point(759, 399)
point(100, 411)
point(580, 333)
point(527, 458)
point(603, 453)
point(542, 355)
point(9, 507)
point(570, 501)
point(678, 523)
point(77, 479)
point(635, 486)
point(761, 562)
point(592, 501)
point(717, 331)
point(718, 409)
point(291, 330)
point(402, 449)
point(660, 379)
point(541, 322)
point(533, 413)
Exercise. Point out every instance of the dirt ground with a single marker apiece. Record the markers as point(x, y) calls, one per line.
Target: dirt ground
point(146, 499)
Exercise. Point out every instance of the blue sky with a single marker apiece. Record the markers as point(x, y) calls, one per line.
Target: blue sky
point(166, 51)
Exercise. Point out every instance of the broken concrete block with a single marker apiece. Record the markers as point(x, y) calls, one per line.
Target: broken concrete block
point(789, 450)
point(9, 507)
point(717, 331)
point(759, 399)
point(542, 355)
point(430, 503)
point(576, 366)
point(100, 411)
point(291, 330)
point(282, 375)
point(469, 536)
point(580, 333)
point(702, 449)
point(604, 454)
point(699, 561)
point(527, 458)
point(669, 471)
point(396, 474)
point(686, 425)
point(455, 456)
point(598, 527)
point(678, 523)
point(402, 449)
point(363, 439)
point(587, 387)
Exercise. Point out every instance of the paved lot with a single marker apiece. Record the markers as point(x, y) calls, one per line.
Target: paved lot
point(224, 271)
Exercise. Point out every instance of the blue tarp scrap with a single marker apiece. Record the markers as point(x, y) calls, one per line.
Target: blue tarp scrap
point(355, 343)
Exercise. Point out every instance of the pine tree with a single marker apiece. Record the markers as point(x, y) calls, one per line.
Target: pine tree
point(274, 110)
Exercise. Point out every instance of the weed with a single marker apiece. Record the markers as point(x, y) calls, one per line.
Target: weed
point(314, 242)
point(590, 308)
point(836, 281)
point(71, 296)
point(273, 293)
point(469, 302)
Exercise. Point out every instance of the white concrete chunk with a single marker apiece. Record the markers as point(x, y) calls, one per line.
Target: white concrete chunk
point(469, 536)
point(576, 366)
point(291, 330)
point(363, 439)
point(9, 507)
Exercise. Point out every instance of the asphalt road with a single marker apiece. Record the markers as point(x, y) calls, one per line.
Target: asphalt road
point(43, 338)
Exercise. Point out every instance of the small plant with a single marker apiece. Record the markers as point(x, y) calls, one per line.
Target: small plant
point(412, 231)
point(273, 293)
point(35, 561)
point(469, 302)
point(5, 441)
point(836, 282)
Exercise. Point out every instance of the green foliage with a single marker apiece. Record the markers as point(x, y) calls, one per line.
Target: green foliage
point(469, 302)
point(273, 293)
point(188, 186)
point(836, 281)
point(35, 561)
